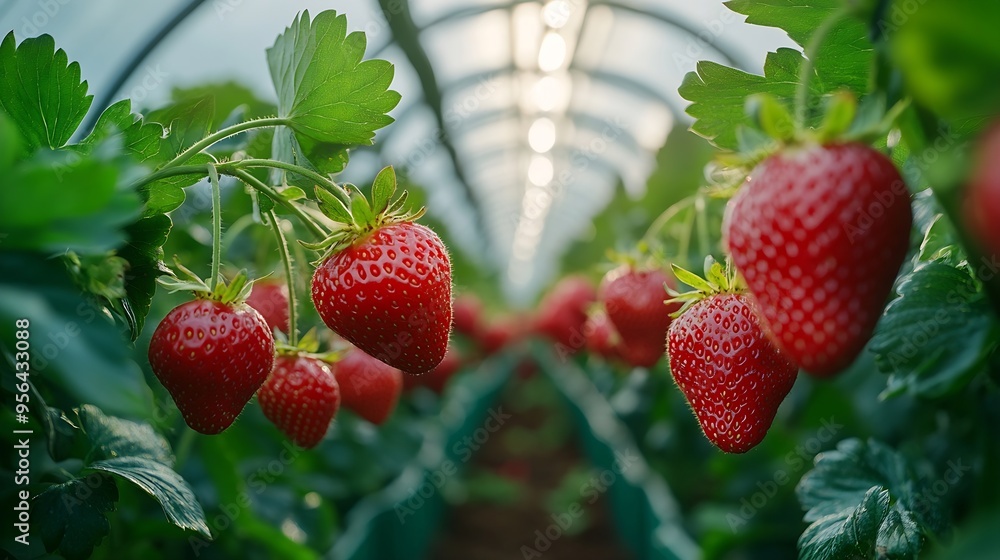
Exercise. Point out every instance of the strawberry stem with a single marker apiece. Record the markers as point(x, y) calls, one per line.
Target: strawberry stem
point(222, 135)
point(808, 67)
point(213, 176)
point(286, 259)
point(328, 184)
point(256, 183)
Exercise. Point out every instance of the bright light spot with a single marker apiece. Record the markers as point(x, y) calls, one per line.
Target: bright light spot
point(557, 13)
point(313, 500)
point(551, 93)
point(542, 135)
point(552, 53)
point(293, 531)
point(540, 170)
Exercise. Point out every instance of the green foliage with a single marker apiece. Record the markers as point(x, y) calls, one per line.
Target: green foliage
point(717, 94)
point(844, 58)
point(864, 497)
point(949, 57)
point(938, 334)
point(41, 91)
point(331, 98)
point(74, 515)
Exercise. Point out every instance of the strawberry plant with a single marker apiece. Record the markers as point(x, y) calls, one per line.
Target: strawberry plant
point(90, 216)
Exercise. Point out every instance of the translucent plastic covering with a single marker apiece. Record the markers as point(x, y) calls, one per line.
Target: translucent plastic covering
point(529, 117)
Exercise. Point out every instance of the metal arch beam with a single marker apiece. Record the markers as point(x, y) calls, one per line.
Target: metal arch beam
point(725, 51)
point(137, 59)
point(406, 34)
point(615, 80)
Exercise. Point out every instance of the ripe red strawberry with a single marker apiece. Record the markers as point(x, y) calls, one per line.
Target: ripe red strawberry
point(467, 312)
point(389, 294)
point(300, 397)
point(982, 202)
point(211, 357)
point(270, 298)
point(602, 339)
point(730, 373)
point(368, 387)
point(819, 234)
point(385, 282)
point(563, 313)
point(633, 298)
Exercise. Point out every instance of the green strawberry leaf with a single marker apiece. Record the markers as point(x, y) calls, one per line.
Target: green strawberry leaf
point(186, 121)
point(717, 94)
point(144, 252)
point(771, 116)
point(383, 188)
point(72, 516)
point(948, 53)
point(844, 58)
point(11, 143)
point(937, 335)
point(113, 437)
point(865, 496)
point(850, 533)
point(141, 140)
point(145, 142)
point(62, 201)
point(138, 454)
point(41, 91)
point(160, 481)
point(331, 97)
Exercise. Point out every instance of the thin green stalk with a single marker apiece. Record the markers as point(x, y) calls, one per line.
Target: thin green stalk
point(286, 259)
point(809, 64)
point(213, 176)
point(332, 187)
point(222, 135)
point(256, 183)
point(183, 447)
point(702, 224)
point(663, 219)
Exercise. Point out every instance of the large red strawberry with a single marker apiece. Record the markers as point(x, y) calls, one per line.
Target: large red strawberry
point(270, 298)
point(633, 298)
point(368, 387)
point(731, 374)
point(563, 313)
point(300, 397)
point(982, 203)
point(819, 234)
point(211, 357)
point(386, 287)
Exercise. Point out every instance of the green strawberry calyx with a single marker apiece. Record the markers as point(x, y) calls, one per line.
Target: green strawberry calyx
point(234, 292)
point(308, 345)
point(364, 216)
point(774, 129)
point(718, 279)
